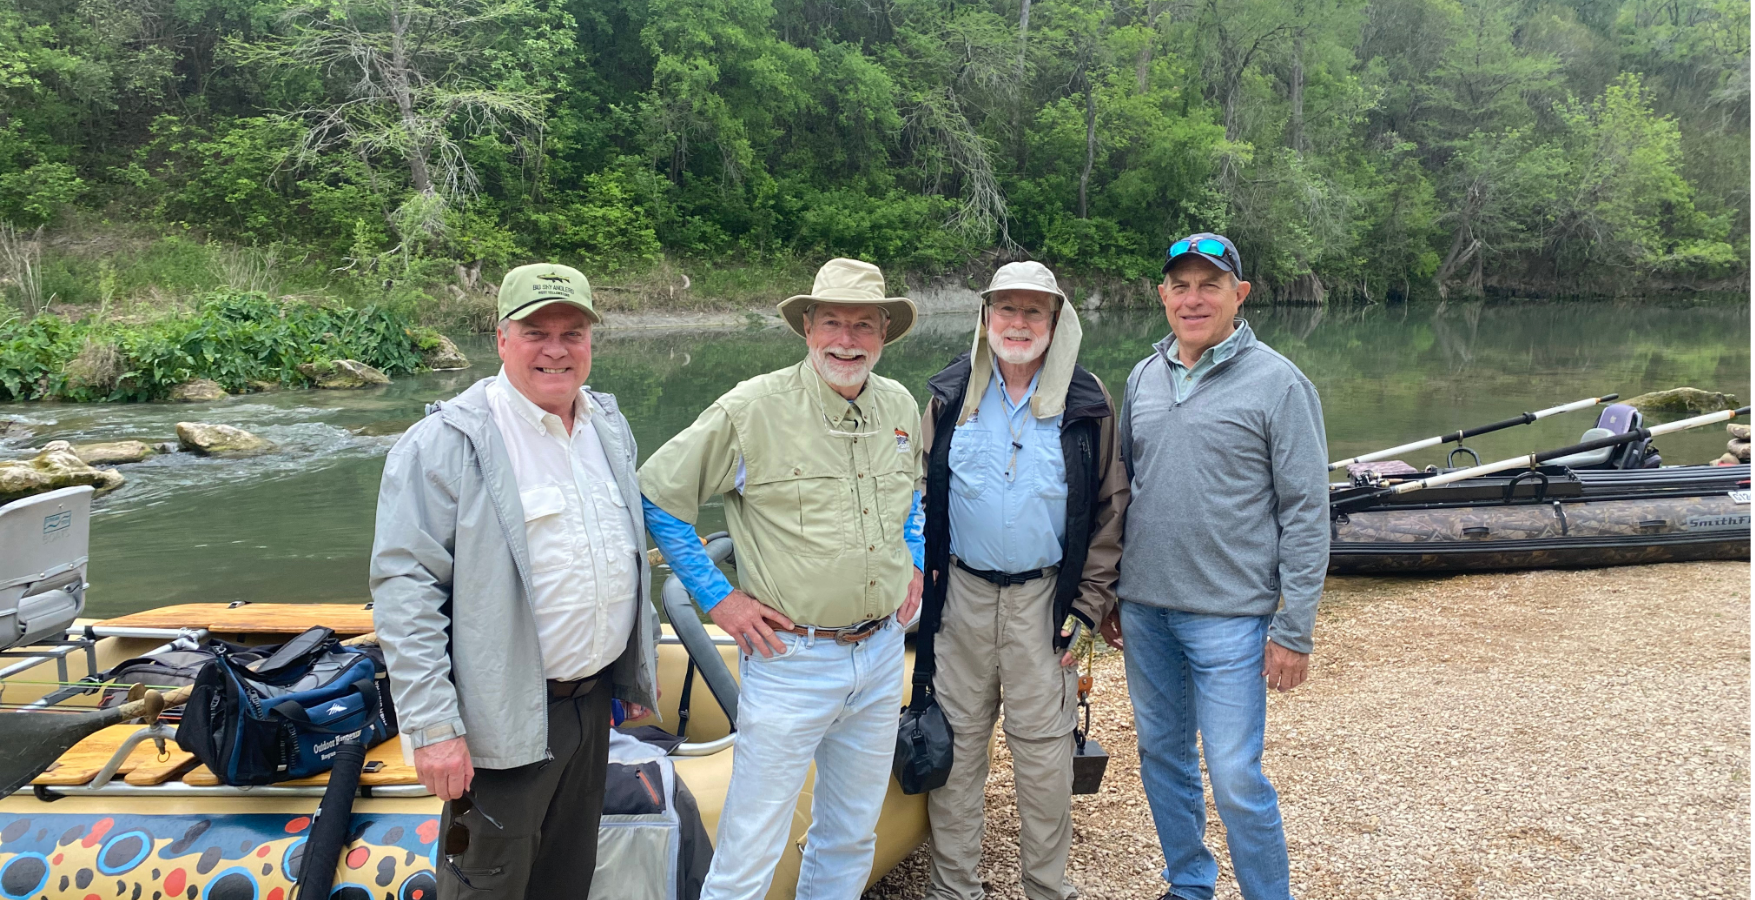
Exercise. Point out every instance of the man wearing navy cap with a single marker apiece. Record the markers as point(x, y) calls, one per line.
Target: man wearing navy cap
point(1221, 567)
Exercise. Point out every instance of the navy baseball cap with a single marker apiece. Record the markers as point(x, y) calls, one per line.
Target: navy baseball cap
point(1214, 248)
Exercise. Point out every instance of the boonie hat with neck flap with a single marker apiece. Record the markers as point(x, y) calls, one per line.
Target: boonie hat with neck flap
point(527, 289)
point(855, 283)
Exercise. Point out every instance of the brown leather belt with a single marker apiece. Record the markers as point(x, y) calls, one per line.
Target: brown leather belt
point(565, 690)
point(850, 634)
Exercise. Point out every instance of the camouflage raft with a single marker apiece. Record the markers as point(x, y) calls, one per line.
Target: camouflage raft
point(1549, 517)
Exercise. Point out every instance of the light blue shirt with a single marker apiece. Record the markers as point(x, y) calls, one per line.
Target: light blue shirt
point(999, 523)
point(1184, 378)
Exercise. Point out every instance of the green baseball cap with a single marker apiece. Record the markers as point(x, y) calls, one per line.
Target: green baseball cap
point(527, 289)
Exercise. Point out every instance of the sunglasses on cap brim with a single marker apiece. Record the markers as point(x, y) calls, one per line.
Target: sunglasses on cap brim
point(1208, 246)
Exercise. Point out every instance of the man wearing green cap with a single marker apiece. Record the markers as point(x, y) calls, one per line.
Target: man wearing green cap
point(511, 596)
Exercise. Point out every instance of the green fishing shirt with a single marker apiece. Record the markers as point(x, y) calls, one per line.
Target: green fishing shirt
point(817, 490)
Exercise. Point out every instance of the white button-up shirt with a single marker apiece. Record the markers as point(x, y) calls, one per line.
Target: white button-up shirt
point(583, 568)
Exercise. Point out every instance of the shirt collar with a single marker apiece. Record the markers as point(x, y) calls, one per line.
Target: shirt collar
point(1215, 354)
point(536, 415)
point(835, 406)
point(997, 383)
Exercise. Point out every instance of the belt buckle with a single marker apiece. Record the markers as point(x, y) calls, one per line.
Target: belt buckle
point(848, 636)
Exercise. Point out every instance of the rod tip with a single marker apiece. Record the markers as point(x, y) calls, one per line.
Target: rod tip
point(1608, 397)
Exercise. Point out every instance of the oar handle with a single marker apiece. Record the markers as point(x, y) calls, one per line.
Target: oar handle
point(156, 702)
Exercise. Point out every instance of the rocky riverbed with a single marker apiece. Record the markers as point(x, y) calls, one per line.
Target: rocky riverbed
point(1528, 735)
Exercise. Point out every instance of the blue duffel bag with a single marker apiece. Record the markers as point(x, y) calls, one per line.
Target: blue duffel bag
point(279, 717)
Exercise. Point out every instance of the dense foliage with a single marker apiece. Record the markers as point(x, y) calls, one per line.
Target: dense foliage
point(1367, 147)
point(242, 341)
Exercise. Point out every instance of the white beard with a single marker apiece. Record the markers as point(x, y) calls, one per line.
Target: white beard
point(1017, 357)
point(843, 374)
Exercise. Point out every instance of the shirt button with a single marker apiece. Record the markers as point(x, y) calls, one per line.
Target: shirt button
point(874, 584)
point(872, 549)
point(867, 510)
point(862, 474)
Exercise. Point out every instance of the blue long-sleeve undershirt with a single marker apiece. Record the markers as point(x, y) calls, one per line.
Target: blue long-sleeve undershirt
point(681, 547)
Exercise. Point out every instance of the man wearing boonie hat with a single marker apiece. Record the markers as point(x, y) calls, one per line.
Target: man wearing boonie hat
point(817, 463)
point(1227, 546)
point(511, 595)
point(1025, 492)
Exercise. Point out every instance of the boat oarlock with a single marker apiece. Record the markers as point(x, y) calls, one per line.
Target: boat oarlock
point(1460, 436)
point(1532, 460)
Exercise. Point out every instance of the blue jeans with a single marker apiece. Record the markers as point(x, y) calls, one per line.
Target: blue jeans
point(1188, 672)
point(836, 704)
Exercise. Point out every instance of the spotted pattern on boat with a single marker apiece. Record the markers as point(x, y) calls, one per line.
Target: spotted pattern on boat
point(252, 856)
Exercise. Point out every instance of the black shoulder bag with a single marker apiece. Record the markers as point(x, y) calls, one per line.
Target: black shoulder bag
point(923, 741)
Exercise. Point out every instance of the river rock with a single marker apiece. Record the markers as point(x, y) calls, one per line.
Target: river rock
point(343, 374)
point(1683, 400)
point(219, 440)
point(444, 357)
point(13, 428)
point(1739, 449)
point(1729, 459)
point(114, 452)
point(201, 390)
point(1738, 432)
point(55, 466)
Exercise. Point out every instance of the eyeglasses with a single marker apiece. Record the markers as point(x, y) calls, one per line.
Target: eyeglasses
point(1034, 315)
point(457, 836)
point(1209, 246)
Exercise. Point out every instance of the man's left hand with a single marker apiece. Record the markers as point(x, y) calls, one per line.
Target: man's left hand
point(911, 606)
point(1285, 669)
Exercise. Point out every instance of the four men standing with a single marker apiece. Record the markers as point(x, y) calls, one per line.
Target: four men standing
point(1027, 473)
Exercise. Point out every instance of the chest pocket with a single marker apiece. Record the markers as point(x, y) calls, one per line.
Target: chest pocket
point(806, 510)
point(546, 528)
point(971, 459)
point(1048, 461)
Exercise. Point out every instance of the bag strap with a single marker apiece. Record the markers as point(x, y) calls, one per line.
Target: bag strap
point(289, 709)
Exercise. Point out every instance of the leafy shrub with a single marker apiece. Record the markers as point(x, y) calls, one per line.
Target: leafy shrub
point(232, 338)
point(34, 196)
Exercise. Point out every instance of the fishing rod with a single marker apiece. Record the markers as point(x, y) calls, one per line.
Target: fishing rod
point(1466, 433)
point(1532, 460)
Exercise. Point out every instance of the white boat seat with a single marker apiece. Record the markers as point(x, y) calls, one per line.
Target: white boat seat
point(1588, 458)
point(44, 547)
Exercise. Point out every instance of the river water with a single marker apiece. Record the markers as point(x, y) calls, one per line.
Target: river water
point(296, 525)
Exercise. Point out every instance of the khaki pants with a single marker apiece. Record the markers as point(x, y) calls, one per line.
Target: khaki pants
point(996, 646)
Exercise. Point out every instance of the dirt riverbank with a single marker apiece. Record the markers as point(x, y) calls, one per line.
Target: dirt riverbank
point(1530, 735)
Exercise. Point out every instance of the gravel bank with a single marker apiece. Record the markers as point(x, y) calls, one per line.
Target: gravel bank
point(1532, 735)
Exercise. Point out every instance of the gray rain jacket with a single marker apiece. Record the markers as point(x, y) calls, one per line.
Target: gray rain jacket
point(450, 583)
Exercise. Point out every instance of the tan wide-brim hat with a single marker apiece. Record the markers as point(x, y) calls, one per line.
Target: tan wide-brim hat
point(851, 282)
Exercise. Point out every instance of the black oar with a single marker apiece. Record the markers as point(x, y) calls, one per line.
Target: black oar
point(34, 740)
point(1533, 460)
point(1466, 433)
point(329, 827)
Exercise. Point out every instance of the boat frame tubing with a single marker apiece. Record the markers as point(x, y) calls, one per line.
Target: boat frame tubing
point(1532, 460)
point(1460, 436)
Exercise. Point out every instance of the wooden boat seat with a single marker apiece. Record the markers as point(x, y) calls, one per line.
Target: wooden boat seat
point(82, 763)
point(392, 770)
point(251, 618)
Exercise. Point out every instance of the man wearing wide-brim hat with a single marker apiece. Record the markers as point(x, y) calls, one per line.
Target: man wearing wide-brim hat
point(1025, 492)
point(817, 463)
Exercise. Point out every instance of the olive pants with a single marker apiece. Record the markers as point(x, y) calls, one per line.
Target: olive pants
point(545, 844)
point(995, 648)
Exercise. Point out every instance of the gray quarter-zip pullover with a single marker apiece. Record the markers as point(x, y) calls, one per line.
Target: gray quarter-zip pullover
point(1230, 490)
